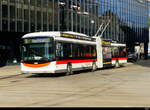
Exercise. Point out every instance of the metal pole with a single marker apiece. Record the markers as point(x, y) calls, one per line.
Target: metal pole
point(8, 28)
point(71, 16)
point(29, 8)
point(0, 15)
point(62, 19)
point(62, 12)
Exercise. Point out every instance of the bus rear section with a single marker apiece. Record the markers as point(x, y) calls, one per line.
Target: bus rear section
point(119, 56)
point(114, 54)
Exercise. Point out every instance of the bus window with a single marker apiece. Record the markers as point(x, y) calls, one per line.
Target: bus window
point(115, 52)
point(64, 51)
point(93, 51)
point(88, 51)
point(67, 51)
point(122, 52)
point(75, 51)
point(59, 51)
point(107, 53)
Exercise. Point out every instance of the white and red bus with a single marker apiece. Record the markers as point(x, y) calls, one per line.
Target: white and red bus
point(57, 52)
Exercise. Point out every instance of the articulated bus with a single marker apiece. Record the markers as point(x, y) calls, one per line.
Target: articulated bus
point(57, 52)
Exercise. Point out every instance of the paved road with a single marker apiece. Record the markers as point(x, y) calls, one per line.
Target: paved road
point(8, 71)
point(123, 87)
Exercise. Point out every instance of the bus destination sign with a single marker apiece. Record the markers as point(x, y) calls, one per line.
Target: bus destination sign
point(39, 40)
point(76, 37)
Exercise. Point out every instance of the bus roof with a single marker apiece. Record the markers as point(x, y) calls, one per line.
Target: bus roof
point(41, 34)
point(118, 44)
point(51, 34)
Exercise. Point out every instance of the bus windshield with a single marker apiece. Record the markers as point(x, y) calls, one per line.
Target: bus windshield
point(38, 50)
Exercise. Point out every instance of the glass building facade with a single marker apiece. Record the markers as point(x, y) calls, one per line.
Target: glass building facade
point(128, 19)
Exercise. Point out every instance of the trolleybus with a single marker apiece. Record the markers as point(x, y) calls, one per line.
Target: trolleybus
point(57, 52)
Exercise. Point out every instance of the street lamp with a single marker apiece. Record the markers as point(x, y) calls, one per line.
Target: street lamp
point(61, 3)
point(92, 26)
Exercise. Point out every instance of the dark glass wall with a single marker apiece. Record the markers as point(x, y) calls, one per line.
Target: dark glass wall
point(29, 15)
point(18, 17)
point(128, 18)
point(48, 15)
point(79, 16)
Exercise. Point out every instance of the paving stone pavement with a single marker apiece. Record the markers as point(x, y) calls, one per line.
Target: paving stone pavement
point(9, 70)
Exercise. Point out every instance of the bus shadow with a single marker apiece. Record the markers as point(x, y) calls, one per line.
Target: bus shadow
point(46, 75)
point(88, 71)
point(140, 62)
point(144, 63)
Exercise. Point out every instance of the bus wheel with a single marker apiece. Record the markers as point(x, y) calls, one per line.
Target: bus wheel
point(69, 70)
point(94, 67)
point(117, 64)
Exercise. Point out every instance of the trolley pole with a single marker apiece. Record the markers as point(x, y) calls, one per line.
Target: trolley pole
point(102, 29)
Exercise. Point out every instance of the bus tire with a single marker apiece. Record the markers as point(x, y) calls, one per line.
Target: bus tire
point(69, 70)
point(117, 65)
point(94, 67)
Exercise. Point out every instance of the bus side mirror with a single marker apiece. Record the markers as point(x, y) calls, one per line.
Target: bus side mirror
point(23, 49)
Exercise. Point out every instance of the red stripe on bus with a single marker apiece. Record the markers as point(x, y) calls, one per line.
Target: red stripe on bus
point(75, 61)
point(119, 59)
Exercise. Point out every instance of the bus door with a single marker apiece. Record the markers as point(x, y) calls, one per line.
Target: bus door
point(107, 56)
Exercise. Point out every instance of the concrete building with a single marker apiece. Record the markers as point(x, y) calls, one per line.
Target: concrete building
point(128, 21)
